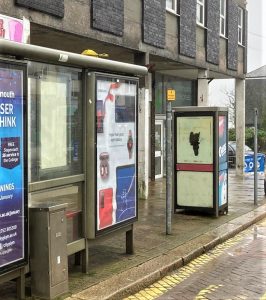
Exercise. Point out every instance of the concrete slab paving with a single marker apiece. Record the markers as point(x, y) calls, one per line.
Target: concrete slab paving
point(192, 234)
point(113, 274)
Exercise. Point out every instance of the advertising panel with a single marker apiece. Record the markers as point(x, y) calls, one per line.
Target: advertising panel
point(12, 179)
point(222, 142)
point(222, 187)
point(249, 163)
point(194, 140)
point(222, 152)
point(116, 150)
point(195, 189)
point(13, 29)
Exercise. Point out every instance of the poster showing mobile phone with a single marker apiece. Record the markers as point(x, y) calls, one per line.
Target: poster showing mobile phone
point(12, 189)
point(115, 112)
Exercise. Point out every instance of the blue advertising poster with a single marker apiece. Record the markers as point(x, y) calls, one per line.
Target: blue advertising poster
point(12, 243)
point(222, 143)
point(223, 167)
point(249, 163)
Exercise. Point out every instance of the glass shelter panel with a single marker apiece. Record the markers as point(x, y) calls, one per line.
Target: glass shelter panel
point(55, 121)
point(116, 150)
point(56, 138)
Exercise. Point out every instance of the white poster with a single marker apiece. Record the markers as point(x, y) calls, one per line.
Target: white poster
point(195, 189)
point(53, 124)
point(116, 151)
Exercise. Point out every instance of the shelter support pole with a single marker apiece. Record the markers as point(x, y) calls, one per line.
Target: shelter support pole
point(129, 241)
point(203, 88)
point(143, 125)
point(240, 125)
point(21, 284)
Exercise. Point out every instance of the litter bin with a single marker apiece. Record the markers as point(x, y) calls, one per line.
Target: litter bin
point(48, 250)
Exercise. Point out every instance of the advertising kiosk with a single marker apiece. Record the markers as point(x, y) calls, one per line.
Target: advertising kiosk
point(200, 159)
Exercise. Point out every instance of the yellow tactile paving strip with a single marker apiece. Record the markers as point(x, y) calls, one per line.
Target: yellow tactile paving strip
point(168, 282)
point(205, 292)
point(263, 297)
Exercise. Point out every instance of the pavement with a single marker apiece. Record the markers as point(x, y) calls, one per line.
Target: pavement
point(114, 275)
point(235, 269)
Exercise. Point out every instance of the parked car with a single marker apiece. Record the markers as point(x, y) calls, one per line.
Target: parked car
point(232, 153)
point(249, 158)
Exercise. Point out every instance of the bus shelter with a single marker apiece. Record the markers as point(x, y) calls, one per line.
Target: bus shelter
point(75, 145)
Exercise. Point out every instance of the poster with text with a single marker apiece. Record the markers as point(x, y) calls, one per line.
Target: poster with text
point(116, 100)
point(12, 214)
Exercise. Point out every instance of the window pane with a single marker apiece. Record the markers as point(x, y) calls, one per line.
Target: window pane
point(170, 4)
point(239, 17)
point(198, 13)
point(222, 6)
point(222, 26)
point(159, 97)
point(55, 121)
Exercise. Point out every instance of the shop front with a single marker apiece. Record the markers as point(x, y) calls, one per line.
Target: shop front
point(185, 95)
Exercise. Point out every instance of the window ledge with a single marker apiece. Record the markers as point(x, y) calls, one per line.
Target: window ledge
point(172, 12)
point(223, 37)
point(241, 45)
point(202, 26)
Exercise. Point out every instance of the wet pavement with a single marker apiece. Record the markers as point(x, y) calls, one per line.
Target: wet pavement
point(114, 274)
point(235, 269)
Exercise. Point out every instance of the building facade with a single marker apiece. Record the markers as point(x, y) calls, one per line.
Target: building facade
point(185, 44)
point(256, 97)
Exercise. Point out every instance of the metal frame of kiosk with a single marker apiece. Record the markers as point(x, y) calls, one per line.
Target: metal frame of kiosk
point(200, 159)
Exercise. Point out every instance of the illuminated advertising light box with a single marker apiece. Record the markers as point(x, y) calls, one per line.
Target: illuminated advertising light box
point(200, 159)
point(13, 177)
point(115, 114)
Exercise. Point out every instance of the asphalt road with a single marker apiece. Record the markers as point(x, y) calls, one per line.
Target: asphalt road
point(235, 270)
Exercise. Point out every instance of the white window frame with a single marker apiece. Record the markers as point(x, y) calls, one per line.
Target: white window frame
point(174, 6)
point(201, 12)
point(223, 18)
point(240, 25)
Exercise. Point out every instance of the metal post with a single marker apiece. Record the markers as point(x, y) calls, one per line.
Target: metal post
point(169, 167)
point(255, 156)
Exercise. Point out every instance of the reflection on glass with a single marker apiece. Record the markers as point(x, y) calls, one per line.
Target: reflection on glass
point(158, 138)
point(158, 169)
